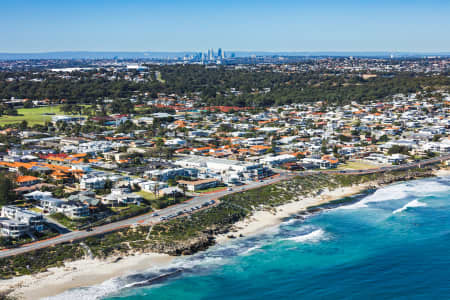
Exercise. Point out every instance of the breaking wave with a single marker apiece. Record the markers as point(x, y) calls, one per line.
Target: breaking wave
point(184, 266)
point(292, 230)
point(414, 203)
point(402, 191)
point(312, 237)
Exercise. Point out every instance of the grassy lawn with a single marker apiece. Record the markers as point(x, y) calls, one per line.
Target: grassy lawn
point(147, 195)
point(211, 189)
point(72, 224)
point(32, 115)
point(357, 165)
point(159, 77)
point(118, 209)
point(35, 209)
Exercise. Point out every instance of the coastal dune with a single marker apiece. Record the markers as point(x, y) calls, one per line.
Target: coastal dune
point(262, 220)
point(89, 272)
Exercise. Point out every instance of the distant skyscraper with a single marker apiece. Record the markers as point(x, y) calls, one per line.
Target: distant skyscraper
point(211, 54)
point(220, 53)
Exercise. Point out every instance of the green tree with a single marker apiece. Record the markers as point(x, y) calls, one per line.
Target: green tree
point(7, 194)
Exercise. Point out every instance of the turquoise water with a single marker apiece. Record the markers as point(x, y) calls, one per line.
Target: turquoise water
point(393, 244)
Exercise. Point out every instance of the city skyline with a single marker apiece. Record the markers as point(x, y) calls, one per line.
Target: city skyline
point(173, 26)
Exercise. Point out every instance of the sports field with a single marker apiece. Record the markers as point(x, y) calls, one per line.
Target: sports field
point(33, 116)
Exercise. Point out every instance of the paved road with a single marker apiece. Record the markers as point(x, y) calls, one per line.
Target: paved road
point(142, 219)
point(198, 201)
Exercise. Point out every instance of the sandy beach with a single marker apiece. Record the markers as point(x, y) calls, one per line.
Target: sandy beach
point(80, 273)
point(90, 272)
point(262, 220)
point(442, 172)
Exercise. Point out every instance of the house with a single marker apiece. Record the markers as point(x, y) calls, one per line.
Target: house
point(441, 147)
point(259, 149)
point(71, 209)
point(33, 220)
point(333, 162)
point(27, 180)
point(74, 209)
point(278, 159)
point(199, 184)
point(151, 186)
point(164, 175)
point(216, 164)
point(37, 195)
point(85, 198)
point(93, 183)
point(50, 204)
point(313, 162)
point(144, 121)
point(67, 119)
point(12, 229)
point(116, 156)
point(175, 143)
point(397, 158)
point(121, 196)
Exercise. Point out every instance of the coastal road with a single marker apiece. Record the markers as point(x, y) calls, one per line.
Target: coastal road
point(142, 219)
point(199, 201)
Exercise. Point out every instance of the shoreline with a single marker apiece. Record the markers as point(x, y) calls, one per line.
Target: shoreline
point(262, 220)
point(80, 273)
point(88, 272)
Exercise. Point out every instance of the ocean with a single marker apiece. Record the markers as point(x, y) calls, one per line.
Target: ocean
point(392, 244)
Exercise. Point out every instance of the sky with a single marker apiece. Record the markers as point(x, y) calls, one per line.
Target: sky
point(28, 26)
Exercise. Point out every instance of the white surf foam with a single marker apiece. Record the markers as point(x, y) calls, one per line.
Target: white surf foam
point(401, 191)
point(414, 203)
point(251, 249)
point(312, 237)
point(90, 293)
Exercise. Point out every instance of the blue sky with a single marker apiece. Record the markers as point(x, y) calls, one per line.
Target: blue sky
point(276, 25)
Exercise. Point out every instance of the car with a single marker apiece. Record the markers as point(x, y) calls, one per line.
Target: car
point(154, 214)
point(229, 189)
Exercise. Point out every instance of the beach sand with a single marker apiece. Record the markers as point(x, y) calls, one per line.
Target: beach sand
point(90, 272)
point(262, 220)
point(80, 273)
point(442, 172)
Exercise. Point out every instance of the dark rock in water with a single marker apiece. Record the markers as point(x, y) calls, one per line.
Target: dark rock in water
point(314, 209)
point(156, 279)
point(241, 235)
point(231, 236)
